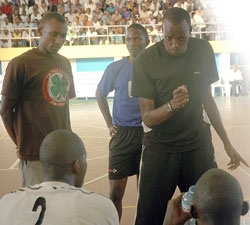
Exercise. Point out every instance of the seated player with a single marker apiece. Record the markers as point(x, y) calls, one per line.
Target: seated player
point(218, 200)
point(60, 197)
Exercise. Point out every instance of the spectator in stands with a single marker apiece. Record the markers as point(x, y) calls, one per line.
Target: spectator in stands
point(199, 24)
point(155, 7)
point(218, 199)
point(88, 12)
point(96, 22)
point(60, 10)
point(16, 41)
point(188, 6)
point(119, 4)
point(35, 15)
point(91, 5)
point(5, 37)
point(6, 9)
point(51, 7)
point(179, 4)
point(125, 13)
point(35, 23)
point(92, 35)
point(60, 195)
point(2, 16)
point(111, 8)
point(116, 17)
point(135, 14)
point(28, 23)
point(43, 8)
point(102, 5)
point(22, 8)
point(107, 18)
point(24, 17)
point(26, 34)
point(97, 12)
point(86, 21)
point(69, 15)
point(17, 23)
point(151, 20)
point(144, 12)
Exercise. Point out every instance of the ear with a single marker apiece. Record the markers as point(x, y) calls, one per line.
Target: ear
point(147, 43)
point(193, 212)
point(40, 30)
point(245, 208)
point(190, 29)
point(76, 167)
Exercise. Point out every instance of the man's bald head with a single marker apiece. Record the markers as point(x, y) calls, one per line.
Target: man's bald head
point(218, 198)
point(59, 150)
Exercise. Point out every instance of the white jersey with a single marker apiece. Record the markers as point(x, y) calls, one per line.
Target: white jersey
point(56, 203)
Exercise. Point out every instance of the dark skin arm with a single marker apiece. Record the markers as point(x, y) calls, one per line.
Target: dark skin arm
point(8, 115)
point(152, 116)
point(215, 119)
point(104, 107)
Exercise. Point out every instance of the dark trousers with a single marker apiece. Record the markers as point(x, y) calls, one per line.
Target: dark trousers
point(161, 172)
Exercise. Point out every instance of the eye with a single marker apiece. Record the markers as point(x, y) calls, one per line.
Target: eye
point(181, 38)
point(169, 38)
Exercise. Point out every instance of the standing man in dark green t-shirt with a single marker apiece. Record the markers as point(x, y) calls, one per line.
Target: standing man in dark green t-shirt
point(172, 80)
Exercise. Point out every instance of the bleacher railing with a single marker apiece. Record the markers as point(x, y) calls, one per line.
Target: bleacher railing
point(100, 35)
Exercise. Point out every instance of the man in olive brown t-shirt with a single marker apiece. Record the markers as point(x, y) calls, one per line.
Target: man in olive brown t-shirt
point(35, 96)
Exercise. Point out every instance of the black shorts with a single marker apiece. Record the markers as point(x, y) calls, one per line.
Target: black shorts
point(125, 152)
point(161, 172)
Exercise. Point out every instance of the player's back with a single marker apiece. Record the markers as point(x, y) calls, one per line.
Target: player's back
point(56, 203)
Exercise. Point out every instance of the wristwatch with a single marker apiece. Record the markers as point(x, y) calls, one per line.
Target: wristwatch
point(169, 107)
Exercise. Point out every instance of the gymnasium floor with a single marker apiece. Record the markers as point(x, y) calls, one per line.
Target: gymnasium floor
point(88, 123)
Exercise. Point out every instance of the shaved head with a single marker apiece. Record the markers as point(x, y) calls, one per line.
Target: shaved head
point(59, 150)
point(218, 198)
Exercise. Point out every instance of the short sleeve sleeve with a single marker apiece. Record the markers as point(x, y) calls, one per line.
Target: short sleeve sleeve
point(142, 85)
point(13, 80)
point(106, 85)
point(212, 68)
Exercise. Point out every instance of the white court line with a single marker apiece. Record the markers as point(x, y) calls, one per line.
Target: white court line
point(7, 169)
point(17, 161)
point(3, 136)
point(96, 179)
point(97, 157)
point(14, 164)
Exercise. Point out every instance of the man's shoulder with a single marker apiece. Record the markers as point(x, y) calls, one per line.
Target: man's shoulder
point(116, 65)
point(152, 52)
point(199, 44)
point(24, 56)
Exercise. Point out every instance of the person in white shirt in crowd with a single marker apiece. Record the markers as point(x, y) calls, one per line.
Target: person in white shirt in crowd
point(70, 15)
point(107, 18)
point(17, 23)
point(90, 4)
point(24, 17)
point(43, 8)
point(5, 37)
point(26, 34)
point(33, 9)
point(35, 15)
point(60, 196)
point(144, 13)
point(155, 7)
point(188, 5)
point(88, 12)
point(22, 8)
point(199, 24)
point(235, 79)
point(97, 12)
point(28, 22)
point(179, 4)
point(2, 16)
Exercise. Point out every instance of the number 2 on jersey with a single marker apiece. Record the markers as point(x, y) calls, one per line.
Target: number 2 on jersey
point(40, 202)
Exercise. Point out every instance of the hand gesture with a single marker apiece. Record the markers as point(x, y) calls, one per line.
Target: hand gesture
point(180, 97)
point(112, 130)
point(235, 157)
point(175, 215)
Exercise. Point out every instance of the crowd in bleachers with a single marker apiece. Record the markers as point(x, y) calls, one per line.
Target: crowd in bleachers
point(95, 21)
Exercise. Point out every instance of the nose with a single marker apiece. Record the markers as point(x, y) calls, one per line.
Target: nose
point(175, 43)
